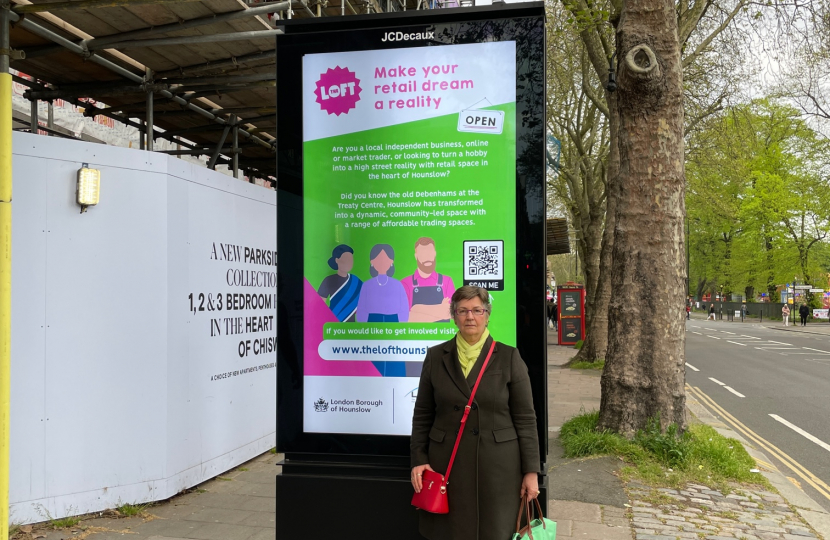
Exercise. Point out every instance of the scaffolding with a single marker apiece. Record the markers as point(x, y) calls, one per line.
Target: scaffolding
point(198, 74)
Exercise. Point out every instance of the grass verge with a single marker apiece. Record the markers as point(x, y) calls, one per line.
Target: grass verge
point(667, 459)
point(598, 365)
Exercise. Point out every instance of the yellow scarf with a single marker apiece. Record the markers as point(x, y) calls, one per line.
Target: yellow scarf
point(468, 354)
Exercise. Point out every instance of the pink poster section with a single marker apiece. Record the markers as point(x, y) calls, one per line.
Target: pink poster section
point(317, 314)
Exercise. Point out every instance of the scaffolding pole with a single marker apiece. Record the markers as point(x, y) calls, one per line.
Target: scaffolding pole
point(235, 147)
point(189, 40)
point(34, 124)
point(215, 156)
point(234, 62)
point(88, 4)
point(149, 116)
point(5, 262)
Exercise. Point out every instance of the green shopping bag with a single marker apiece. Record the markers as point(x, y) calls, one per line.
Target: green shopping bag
point(539, 528)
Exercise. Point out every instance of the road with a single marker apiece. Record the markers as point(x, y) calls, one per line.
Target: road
point(774, 387)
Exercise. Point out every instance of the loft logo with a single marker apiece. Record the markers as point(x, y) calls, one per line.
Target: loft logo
point(338, 91)
point(481, 121)
point(321, 406)
point(402, 36)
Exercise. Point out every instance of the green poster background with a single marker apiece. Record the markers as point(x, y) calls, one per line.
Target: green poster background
point(325, 227)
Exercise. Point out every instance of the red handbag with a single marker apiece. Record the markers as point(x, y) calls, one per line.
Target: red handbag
point(433, 495)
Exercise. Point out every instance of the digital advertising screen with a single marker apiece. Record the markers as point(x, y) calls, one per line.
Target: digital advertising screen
point(411, 163)
point(409, 167)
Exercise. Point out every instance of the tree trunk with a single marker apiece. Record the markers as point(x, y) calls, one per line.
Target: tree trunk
point(772, 287)
point(591, 244)
point(701, 287)
point(644, 374)
point(596, 328)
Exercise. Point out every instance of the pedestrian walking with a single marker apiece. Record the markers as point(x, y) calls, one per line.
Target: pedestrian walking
point(803, 312)
point(785, 314)
point(711, 313)
point(550, 306)
point(498, 454)
point(688, 312)
point(555, 315)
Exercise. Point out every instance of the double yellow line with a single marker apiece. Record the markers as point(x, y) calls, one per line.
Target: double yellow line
point(770, 449)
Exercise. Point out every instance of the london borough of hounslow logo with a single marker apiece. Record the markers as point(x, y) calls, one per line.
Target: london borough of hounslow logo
point(338, 91)
point(320, 405)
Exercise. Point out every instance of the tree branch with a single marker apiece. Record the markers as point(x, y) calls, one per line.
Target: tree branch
point(691, 58)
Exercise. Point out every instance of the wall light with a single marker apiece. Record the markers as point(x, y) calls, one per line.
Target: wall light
point(89, 186)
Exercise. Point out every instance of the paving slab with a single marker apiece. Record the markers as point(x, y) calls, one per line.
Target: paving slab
point(239, 505)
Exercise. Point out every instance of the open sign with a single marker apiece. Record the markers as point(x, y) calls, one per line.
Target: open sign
point(480, 121)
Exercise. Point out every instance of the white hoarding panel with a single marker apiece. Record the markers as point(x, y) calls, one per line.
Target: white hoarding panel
point(115, 397)
point(27, 479)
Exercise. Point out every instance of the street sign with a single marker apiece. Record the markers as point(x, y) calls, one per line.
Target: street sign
point(803, 286)
point(816, 290)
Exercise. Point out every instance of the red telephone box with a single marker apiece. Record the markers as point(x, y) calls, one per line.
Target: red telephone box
point(571, 307)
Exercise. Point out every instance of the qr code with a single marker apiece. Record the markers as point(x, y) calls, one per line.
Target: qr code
point(484, 260)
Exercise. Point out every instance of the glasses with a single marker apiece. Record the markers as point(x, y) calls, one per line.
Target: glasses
point(478, 312)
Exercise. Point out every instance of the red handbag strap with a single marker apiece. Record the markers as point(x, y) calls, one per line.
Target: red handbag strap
point(467, 412)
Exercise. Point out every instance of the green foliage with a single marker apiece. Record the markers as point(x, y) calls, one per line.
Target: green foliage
point(670, 448)
point(757, 201)
point(666, 458)
point(578, 344)
point(64, 523)
point(59, 523)
point(129, 510)
point(598, 365)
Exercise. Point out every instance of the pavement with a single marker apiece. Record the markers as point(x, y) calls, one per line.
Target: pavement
point(238, 505)
point(592, 503)
point(587, 498)
point(812, 326)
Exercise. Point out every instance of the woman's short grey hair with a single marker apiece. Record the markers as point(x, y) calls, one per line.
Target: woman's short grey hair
point(468, 292)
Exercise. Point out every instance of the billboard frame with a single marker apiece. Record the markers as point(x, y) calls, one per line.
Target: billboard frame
point(340, 34)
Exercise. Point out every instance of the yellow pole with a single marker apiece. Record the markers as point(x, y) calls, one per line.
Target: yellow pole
point(5, 264)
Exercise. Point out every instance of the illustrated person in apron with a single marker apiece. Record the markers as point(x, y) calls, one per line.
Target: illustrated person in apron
point(428, 291)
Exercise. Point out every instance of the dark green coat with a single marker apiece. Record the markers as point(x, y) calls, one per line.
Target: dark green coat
point(499, 444)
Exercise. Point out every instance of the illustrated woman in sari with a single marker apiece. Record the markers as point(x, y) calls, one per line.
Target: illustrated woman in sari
point(382, 298)
point(342, 289)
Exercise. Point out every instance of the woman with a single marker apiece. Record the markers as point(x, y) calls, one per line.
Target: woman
point(711, 312)
point(342, 289)
point(498, 456)
point(785, 313)
point(804, 313)
point(382, 298)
